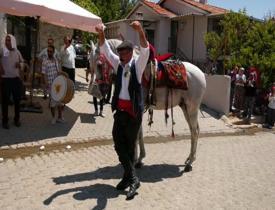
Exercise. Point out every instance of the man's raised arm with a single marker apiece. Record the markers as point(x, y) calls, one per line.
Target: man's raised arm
point(101, 35)
point(138, 28)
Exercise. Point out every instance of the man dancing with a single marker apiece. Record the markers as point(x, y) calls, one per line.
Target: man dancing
point(127, 102)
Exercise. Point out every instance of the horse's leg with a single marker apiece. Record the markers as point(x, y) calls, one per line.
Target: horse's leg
point(140, 142)
point(191, 117)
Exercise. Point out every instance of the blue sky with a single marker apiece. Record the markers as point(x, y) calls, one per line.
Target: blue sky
point(255, 8)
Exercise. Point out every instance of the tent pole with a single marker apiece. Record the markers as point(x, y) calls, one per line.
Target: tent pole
point(31, 106)
point(34, 59)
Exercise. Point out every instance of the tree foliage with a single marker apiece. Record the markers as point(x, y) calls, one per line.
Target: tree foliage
point(259, 50)
point(108, 10)
point(91, 7)
point(88, 5)
point(111, 10)
point(245, 42)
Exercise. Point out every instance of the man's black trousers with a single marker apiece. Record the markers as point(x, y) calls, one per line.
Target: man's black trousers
point(11, 87)
point(70, 72)
point(125, 131)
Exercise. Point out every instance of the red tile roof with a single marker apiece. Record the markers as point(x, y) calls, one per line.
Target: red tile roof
point(158, 9)
point(206, 7)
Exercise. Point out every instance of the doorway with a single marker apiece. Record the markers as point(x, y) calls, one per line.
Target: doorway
point(151, 36)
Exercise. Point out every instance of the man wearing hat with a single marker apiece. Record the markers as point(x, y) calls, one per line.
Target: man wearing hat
point(127, 102)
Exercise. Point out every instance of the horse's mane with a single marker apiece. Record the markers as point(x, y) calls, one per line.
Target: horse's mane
point(114, 43)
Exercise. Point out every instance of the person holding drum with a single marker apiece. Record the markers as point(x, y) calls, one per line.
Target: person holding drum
point(127, 101)
point(44, 55)
point(50, 69)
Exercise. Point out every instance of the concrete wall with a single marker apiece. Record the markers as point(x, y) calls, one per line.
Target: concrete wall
point(185, 37)
point(185, 34)
point(200, 31)
point(217, 93)
point(162, 34)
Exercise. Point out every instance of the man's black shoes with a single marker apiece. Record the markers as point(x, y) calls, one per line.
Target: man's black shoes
point(6, 126)
point(134, 185)
point(123, 184)
point(133, 190)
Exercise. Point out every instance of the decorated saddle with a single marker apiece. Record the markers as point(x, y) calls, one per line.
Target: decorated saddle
point(175, 74)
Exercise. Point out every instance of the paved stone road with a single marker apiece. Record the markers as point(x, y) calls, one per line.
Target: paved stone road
point(232, 172)
point(81, 125)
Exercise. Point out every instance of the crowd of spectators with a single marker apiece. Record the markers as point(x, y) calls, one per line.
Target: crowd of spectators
point(247, 98)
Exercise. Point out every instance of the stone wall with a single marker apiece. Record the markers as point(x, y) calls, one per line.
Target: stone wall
point(57, 33)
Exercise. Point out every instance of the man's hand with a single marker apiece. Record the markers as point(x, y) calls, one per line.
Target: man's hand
point(136, 26)
point(100, 30)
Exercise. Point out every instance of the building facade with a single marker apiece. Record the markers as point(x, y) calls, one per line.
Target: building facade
point(176, 26)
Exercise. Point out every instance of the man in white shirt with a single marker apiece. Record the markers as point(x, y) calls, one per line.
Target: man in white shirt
point(10, 59)
point(68, 54)
point(127, 101)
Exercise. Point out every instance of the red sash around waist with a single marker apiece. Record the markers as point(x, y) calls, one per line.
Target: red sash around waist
point(126, 106)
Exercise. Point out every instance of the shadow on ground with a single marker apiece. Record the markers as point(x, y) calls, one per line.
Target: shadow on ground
point(206, 112)
point(37, 126)
point(102, 192)
point(148, 173)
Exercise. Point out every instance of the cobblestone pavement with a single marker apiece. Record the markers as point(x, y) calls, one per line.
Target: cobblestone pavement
point(82, 125)
point(232, 172)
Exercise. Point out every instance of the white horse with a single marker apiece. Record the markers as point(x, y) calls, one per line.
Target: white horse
point(188, 100)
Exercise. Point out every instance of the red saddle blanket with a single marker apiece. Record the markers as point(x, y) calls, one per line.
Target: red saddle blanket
point(175, 75)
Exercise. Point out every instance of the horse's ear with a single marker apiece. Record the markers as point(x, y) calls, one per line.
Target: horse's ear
point(92, 46)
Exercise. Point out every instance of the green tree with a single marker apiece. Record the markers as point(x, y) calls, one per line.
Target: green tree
point(108, 10)
point(90, 6)
point(111, 10)
point(227, 42)
point(246, 42)
point(259, 50)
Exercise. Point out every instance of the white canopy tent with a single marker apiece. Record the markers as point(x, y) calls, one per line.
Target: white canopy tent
point(58, 12)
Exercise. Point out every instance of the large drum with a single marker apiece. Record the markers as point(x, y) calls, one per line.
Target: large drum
point(62, 89)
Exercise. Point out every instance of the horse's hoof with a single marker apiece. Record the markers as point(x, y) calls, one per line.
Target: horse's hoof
point(138, 165)
point(187, 168)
